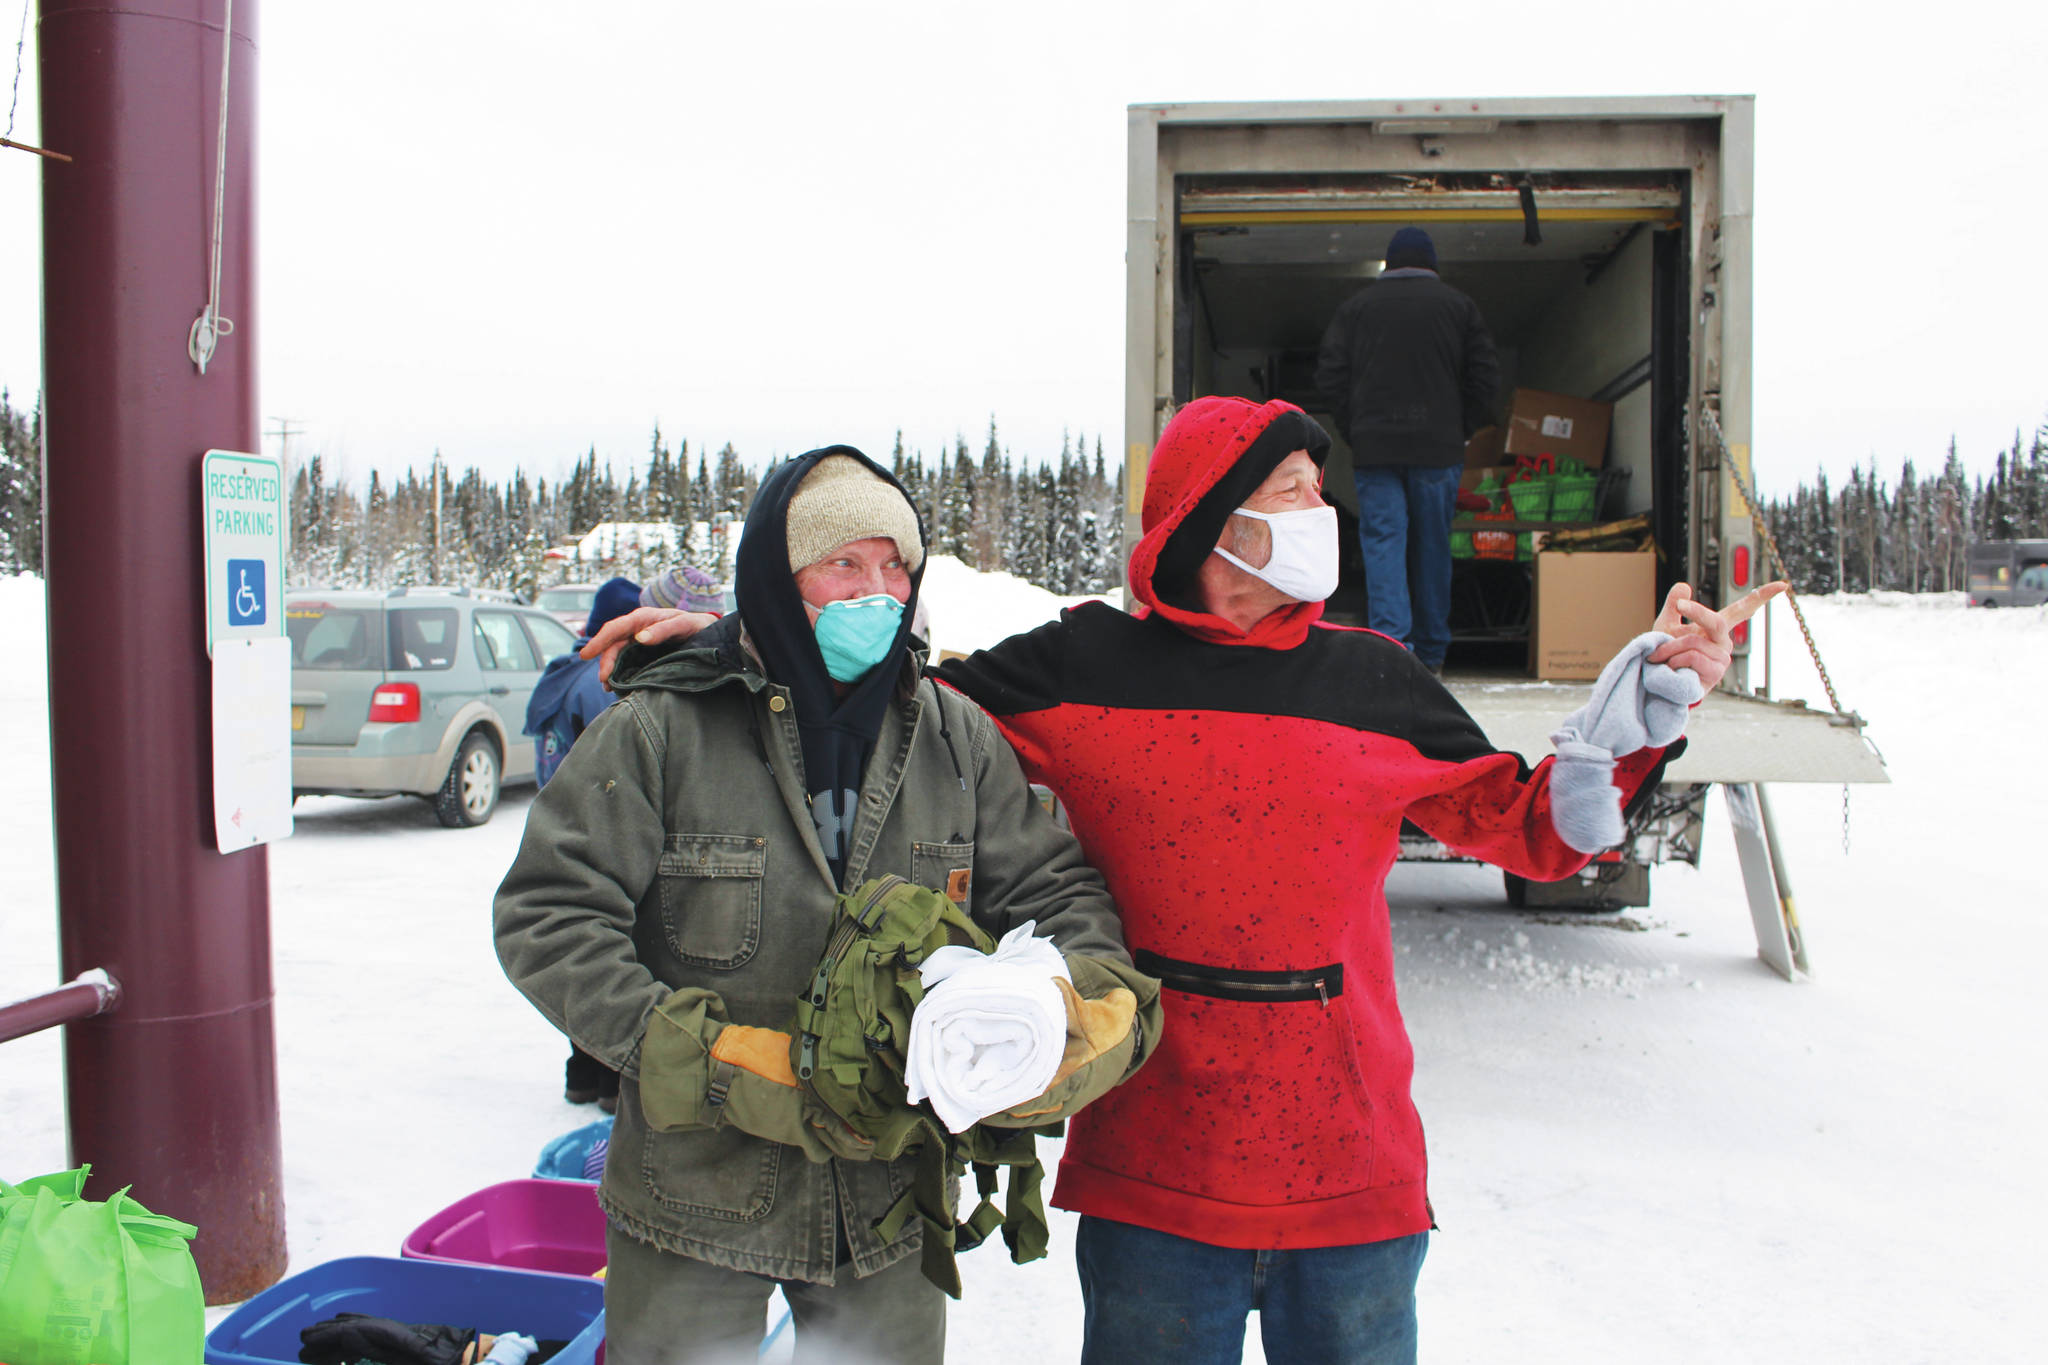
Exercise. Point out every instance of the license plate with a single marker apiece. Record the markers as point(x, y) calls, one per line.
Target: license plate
point(298, 718)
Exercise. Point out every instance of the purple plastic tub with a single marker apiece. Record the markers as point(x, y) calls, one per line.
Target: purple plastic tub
point(554, 1227)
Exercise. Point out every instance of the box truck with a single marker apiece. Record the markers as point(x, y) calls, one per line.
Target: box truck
point(2008, 573)
point(1608, 245)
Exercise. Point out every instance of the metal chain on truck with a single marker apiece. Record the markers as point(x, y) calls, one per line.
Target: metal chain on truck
point(1712, 421)
point(1763, 530)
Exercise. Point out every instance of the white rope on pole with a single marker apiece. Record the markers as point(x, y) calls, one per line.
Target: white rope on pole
point(20, 43)
point(209, 327)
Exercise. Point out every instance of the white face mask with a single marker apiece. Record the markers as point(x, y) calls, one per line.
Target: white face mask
point(1304, 560)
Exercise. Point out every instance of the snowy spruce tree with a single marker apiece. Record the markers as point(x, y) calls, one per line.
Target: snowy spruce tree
point(21, 488)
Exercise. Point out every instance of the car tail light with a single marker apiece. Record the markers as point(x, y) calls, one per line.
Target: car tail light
point(396, 702)
point(1742, 566)
point(1740, 635)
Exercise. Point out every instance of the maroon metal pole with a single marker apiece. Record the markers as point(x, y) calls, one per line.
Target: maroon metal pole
point(176, 1091)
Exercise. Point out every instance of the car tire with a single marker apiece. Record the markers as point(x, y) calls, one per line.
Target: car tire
point(470, 793)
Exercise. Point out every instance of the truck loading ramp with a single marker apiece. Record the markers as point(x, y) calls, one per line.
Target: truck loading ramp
point(1731, 737)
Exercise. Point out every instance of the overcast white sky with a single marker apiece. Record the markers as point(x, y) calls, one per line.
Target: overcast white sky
point(513, 230)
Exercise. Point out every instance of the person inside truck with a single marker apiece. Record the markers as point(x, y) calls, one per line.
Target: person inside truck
point(1409, 370)
point(1240, 772)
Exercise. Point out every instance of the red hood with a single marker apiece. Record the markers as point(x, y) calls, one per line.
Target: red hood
point(1204, 442)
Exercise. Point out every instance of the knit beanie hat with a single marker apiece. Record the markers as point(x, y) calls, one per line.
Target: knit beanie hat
point(685, 586)
point(617, 597)
point(842, 500)
point(1411, 247)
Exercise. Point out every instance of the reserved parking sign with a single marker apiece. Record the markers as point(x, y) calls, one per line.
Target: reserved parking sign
point(243, 500)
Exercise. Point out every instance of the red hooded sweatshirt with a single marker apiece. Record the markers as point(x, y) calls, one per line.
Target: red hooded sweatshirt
point(1243, 794)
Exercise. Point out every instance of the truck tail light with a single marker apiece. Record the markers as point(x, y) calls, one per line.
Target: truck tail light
point(1742, 566)
point(1740, 635)
point(399, 702)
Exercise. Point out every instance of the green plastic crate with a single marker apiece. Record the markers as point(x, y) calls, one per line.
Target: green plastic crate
point(1574, 497)
point(1531, 497)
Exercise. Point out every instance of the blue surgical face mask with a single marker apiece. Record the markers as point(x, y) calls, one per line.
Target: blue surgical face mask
point(855, 634)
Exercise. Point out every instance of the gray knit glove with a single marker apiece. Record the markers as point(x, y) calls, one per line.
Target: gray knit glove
point(1635, 705)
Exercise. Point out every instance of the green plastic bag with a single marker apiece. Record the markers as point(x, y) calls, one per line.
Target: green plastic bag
point(1461, 524)
point(84, 1282)
point(1574, 491)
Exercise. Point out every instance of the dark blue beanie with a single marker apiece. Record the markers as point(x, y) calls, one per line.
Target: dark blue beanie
point(613, 600)
point(1411, 247)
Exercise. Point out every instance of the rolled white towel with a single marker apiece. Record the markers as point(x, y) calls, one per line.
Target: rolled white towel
point(990, 1030)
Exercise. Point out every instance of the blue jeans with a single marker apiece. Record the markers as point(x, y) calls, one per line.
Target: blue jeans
point(1404, 527)
point(1152, 1296)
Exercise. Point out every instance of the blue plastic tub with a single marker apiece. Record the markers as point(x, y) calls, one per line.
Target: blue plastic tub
point(265, 1330)
point(566, 1157)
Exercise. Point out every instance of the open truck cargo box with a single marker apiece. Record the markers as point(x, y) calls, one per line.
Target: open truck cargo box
point(1604, 241)
point(1607, 243)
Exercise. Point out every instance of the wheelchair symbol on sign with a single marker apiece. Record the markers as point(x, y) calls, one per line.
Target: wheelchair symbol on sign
point(245, 600)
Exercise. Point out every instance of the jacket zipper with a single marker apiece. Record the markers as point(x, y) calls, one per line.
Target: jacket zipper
point(1321, 984)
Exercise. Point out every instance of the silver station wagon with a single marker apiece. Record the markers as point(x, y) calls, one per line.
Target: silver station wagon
point(418, 692)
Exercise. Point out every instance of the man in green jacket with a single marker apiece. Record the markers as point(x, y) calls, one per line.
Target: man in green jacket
point(675, 888)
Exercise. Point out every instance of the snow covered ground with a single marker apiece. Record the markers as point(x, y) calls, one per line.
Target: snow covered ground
point(1645, 1145)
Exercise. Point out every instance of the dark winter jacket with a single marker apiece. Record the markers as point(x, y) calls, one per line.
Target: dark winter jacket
point(1409, 371)
point(1243, 795)
point(676, 851)
point(567, 698)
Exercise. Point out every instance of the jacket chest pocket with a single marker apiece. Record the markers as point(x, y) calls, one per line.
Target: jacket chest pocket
point(947, 869)
point(711, 896)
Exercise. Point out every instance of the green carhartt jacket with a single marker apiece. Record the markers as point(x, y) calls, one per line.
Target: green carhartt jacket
point(674, 850)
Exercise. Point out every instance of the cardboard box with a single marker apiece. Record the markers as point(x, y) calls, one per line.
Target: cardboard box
point(1541, 422)
point(1484, 448)
point(1585, 607)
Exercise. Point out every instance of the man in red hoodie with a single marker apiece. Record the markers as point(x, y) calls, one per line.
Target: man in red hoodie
point(1240, 773)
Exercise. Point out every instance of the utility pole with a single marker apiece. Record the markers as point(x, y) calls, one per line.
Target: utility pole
point(437, 514)
point(284, 431)
point(151, 222)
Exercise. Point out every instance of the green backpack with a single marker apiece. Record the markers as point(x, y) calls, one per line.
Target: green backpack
point(852, 1028)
